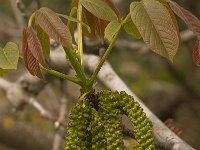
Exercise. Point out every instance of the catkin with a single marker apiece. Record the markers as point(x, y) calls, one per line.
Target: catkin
point(97, 131)
point(140, 122)
point(100, 128)
point(116, 103)
point(78, 136)
point(112, 121)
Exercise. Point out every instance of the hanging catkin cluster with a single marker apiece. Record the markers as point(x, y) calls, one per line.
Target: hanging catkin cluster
point(100, 128)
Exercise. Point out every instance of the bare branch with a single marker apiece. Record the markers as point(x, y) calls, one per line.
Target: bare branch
point(19, 19)
point(58, 140)
point(22, 9)
point(45, 113)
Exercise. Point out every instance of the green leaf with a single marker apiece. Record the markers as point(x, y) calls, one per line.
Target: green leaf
point(44, 40)
point(9, 56)
point(112, 29)
point(131, 29)
point(100, 9)
point(156, 26)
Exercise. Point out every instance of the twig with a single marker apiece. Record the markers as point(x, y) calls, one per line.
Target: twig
point(19, 92)
point(45, 113)
point(4, 84)
point(22, 9)
point(58, 140)
point(19, 19)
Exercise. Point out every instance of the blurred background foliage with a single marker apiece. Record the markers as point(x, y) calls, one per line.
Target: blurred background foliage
point(170, 90)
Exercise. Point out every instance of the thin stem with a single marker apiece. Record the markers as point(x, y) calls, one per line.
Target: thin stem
point(105, 56)
point(80, 35)
point(77, 67)
point(60, 75)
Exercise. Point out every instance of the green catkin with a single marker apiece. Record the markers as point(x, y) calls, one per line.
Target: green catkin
point(112, 121)
point(97, 131)
point(140, 122)
point(78, 136)
point(125, 103)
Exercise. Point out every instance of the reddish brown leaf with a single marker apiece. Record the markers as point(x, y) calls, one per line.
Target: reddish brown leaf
point(196, 53)
point(30, 61)
point(35, 47)
point(25, 48)
point(191, 21)
point(95, 23)
point(170, 124)
point(88, 18)
point(33, 65)
point(100, 26)
point(53, 26)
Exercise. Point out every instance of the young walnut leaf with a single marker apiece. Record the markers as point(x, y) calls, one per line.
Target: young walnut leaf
point(89, 19)
point(193, 24)
point(34, 46)
point(53, 26)
point(44, 40)
point(30, 61)
point(111, 29)
point(191, 21)
point(196, 53)
point(166, 4)
point(156, 26)
point(100, 26)
point(96, 23)
point(114, 8)
point(131, 29)
point(9, 56)
point(33, 65)
point(100, 9)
